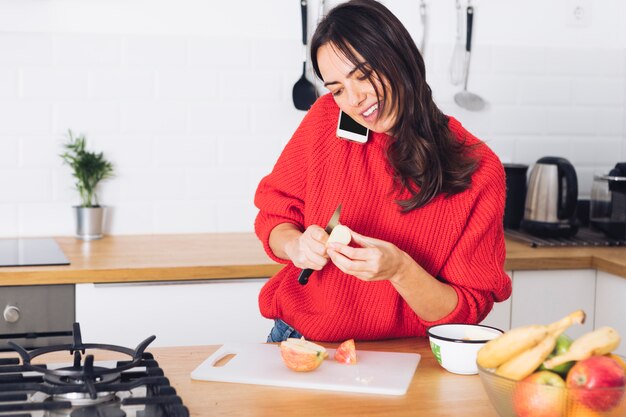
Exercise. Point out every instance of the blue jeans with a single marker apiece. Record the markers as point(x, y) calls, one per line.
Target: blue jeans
point(282, 331)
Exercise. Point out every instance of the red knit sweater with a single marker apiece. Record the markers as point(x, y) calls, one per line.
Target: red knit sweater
point(458, 239)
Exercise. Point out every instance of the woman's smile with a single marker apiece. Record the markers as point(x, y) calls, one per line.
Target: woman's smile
point(353, 89)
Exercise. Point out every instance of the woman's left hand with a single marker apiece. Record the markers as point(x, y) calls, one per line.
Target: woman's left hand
point(375, 260)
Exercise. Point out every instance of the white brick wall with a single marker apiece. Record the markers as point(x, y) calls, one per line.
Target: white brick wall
point(194, 117)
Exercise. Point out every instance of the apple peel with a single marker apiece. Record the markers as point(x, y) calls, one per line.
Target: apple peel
point(301, 355)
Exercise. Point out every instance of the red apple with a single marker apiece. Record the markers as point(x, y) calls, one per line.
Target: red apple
point(346, 353)
point(590, 379)
point(301, 355)
point(541, 394)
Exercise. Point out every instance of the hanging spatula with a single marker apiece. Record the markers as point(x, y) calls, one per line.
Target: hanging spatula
point(304, 93)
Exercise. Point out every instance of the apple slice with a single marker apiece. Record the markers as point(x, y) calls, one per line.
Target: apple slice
point(346, 353)
point(302, 355)
point(340, 234)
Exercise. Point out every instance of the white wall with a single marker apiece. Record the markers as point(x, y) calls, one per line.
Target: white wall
point(191, 99)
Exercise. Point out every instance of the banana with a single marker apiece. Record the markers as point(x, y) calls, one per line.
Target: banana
point(598, 342)
point(518, 340)
point(577, 317)
point(510, 344)
point(524, 364)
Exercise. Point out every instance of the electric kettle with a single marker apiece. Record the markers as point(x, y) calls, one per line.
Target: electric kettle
point(551, 196)
point(608, 202)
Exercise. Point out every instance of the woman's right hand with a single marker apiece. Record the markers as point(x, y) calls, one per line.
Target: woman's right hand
point(308, 250)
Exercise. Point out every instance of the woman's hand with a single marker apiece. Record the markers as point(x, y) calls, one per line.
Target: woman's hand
point(309, 249)
point(375, 260)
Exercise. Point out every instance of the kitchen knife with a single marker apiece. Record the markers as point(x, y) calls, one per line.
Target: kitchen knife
point(303, 278)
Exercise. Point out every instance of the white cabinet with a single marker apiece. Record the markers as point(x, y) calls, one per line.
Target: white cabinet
point(500, 315)
point(611, 305)
point(178, 313)
point(540, 297)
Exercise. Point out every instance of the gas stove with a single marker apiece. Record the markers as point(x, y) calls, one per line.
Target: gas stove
point(84, 387)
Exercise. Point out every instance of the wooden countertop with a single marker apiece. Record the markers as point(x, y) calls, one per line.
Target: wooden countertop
point(433, 391)
point(238, 255)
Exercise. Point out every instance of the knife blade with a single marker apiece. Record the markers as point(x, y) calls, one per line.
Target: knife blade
point(303, 278)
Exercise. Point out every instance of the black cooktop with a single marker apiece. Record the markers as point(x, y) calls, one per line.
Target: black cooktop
point(84, 387)
point(585, 237)
point(31, 252)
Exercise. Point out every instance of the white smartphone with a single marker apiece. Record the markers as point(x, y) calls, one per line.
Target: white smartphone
point(348, 128)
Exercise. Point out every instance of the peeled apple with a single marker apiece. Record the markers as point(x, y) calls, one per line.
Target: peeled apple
point(302, 355)
point(340, 234)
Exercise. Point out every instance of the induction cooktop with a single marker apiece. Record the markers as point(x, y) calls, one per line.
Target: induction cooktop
point(31, 252)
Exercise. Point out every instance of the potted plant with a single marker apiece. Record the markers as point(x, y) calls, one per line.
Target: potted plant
point(88, 168)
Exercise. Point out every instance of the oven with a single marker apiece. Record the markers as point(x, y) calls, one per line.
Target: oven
point(36, 315)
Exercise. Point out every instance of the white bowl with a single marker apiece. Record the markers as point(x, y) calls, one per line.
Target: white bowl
point(455, 345)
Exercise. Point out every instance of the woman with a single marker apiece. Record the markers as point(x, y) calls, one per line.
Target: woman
point(424, 198)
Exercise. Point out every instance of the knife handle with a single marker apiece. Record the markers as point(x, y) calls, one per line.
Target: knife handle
point(303, 278)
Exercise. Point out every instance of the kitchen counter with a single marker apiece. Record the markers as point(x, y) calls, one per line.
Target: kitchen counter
point(433, 391)
point(239, 255)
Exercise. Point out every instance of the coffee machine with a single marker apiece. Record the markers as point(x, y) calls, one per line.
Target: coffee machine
point(607, 211)
point(551, 197)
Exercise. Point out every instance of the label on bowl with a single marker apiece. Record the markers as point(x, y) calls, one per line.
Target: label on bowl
point(436, 352)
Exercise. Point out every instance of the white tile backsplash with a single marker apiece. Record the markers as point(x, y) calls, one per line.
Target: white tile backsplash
point(8, 83)
point(20, 117)
point(193, 122)
point(150, 51)
point(156, 117)
point(86, 116)
point(122, 84)
point(87, 50)
point(9, 152)
point(8, 220)
point(25, 185)
point(53, 83)
point(25, 49)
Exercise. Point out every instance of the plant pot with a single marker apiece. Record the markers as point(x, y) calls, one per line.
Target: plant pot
point(89, 222)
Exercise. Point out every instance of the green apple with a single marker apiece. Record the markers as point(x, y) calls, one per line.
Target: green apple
point(563, 342)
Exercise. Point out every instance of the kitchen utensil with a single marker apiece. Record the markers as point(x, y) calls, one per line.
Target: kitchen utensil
point(304, 93)
point(466, 99)
point(515, 194)
point(550, 206)
point(607, 211)
point(321, 11)
point(424, 21)
point(457, 64)
point(387, 373)
point(455, 346)
point(303, 278)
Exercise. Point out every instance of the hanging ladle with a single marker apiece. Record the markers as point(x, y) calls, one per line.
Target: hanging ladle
point(304, 93)
point(466, 99)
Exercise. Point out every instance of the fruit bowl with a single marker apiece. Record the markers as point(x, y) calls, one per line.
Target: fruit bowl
point(513, 398)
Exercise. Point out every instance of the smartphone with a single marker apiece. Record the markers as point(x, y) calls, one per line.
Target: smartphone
point(349, 129)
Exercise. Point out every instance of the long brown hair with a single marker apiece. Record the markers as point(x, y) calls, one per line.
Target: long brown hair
point(426, 157)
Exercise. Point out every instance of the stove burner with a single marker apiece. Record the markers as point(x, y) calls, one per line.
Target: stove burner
point(108, 411)
point(133, 387)
point(84, 398)
point(85, 374)
point(77, 376)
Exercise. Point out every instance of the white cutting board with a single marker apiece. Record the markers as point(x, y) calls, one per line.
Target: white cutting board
point(387, 373)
